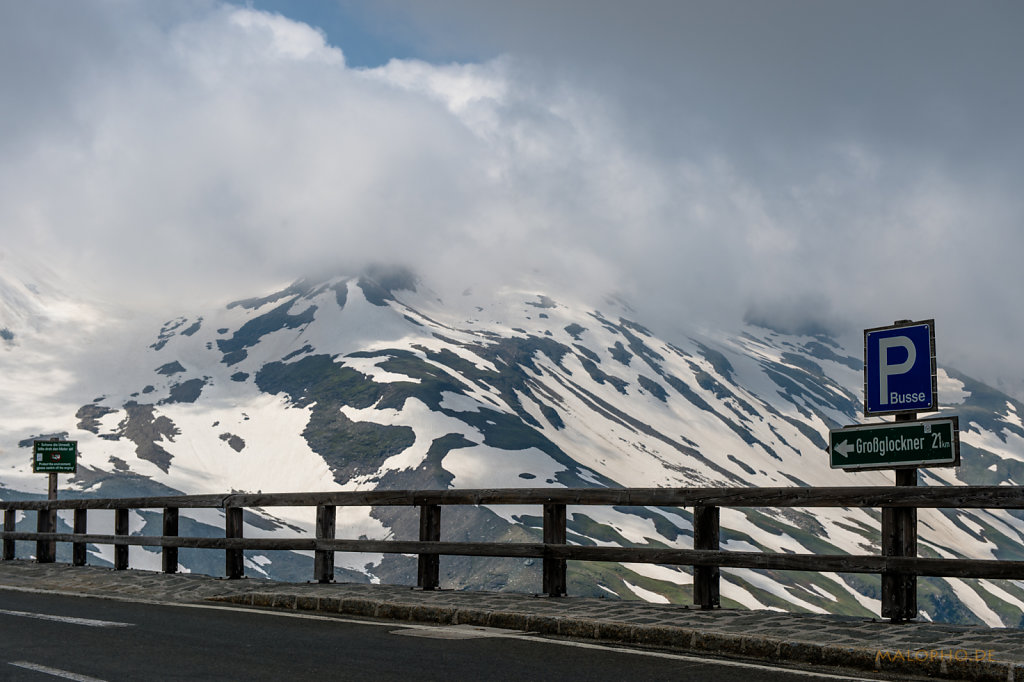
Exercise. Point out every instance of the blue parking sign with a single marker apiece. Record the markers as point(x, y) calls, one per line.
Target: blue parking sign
point(899, 368)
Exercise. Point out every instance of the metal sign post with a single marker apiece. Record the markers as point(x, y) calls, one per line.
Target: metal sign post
point(899, 538)
point(901, 379)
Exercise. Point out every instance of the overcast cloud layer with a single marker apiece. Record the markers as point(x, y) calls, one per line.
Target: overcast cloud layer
point(838, 164)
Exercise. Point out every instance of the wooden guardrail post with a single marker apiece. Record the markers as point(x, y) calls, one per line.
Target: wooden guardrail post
point(234, 559)
point(428, 575)
point(81, 527)
point(323, 559)
point(706, 579)
point(45, 549)
point(121, 528)
point(554, 534)
point(9, 527)
point(899, 539)
point(169, 555)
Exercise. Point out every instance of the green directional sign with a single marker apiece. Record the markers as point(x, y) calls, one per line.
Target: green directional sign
point(54, 456)
point(925, 442)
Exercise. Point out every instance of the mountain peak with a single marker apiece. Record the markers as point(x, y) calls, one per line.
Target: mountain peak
point(336, 383)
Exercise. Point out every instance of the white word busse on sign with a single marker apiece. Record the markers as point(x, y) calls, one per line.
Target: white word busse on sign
point(899, 368)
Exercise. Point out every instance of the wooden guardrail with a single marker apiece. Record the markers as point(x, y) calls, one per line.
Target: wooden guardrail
point(897, 563)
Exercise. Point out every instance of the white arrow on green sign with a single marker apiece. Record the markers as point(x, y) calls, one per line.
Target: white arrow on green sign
point(926, 442)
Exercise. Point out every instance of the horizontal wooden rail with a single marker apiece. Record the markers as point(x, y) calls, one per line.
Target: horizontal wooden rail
point(113, 503)
point(952, 497)
point(840, 563)
point(706, 557)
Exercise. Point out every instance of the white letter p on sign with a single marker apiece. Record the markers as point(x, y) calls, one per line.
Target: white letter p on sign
point(885, 370)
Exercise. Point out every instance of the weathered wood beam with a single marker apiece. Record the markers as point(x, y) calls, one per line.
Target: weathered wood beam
point(46, 550)
point(554, 568)
point(169, 557)
point(10, 516)
point(81, 527)
point(839, 563)
point(121, 529)
point(706, 536)
point(234, 557)
point(323, 560)
point(186, 501)
point(428, 573)
point(960, 497)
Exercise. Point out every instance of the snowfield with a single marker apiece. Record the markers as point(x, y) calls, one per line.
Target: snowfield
point(371, 382)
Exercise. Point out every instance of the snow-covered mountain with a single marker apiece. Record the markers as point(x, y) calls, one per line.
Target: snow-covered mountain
point(372, 381)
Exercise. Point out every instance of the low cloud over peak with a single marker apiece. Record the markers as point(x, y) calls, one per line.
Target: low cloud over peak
point(706, 161)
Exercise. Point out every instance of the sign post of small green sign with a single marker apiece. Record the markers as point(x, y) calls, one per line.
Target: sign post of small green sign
point(925, 442)
point(54, 456)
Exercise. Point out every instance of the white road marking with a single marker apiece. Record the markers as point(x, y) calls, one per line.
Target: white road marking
point(64, 674)
point(88, 622)
point(459, 632)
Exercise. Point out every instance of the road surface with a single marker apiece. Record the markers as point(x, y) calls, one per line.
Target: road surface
point(51, 637)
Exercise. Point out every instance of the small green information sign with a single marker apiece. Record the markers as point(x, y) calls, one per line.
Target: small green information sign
point(55, 456)
point(926, 442)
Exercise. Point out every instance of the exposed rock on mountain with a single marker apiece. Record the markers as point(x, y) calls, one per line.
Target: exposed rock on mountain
point(373, 382)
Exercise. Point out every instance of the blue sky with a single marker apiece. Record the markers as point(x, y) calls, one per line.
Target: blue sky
point(364, 36)
point(841, 164)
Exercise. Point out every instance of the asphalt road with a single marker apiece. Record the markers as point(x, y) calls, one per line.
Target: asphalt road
point(49, 637)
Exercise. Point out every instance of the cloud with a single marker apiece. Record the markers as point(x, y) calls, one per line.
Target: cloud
point(840, 165)
point(849, 163)
point(232, 145)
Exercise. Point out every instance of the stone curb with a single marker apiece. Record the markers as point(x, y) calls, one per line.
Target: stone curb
point(948, 664)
